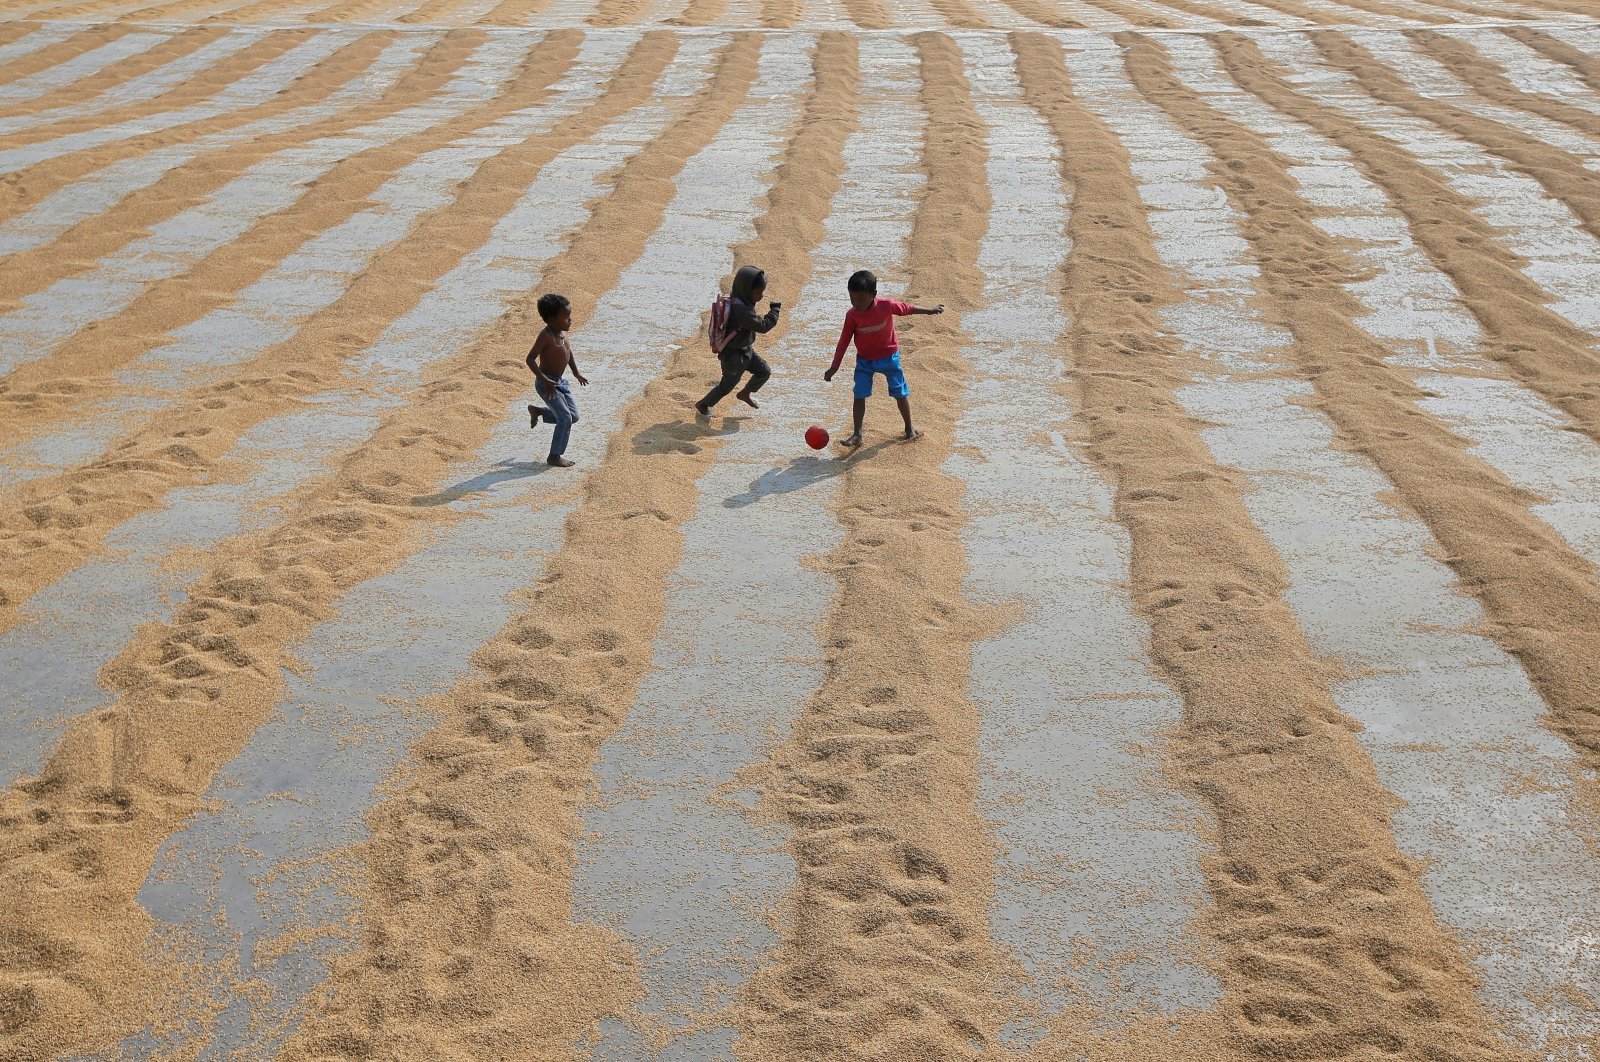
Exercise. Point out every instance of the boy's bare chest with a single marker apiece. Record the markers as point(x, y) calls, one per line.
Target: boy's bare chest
point(557, 352)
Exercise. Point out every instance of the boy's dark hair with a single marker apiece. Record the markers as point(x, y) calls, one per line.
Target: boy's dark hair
point(863, 280)
point(552, 304)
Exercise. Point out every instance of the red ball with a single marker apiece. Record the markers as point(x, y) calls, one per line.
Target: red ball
point(816, 437)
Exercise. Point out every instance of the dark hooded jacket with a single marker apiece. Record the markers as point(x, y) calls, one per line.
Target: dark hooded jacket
point(742, 316)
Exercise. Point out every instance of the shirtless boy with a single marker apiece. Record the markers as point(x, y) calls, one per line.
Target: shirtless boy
point(550, 357)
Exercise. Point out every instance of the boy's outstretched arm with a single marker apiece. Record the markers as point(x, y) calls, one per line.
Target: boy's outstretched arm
point(906, 309)
point(769, 320)
point(845, 336)
point(572, 363)
point(747, 320)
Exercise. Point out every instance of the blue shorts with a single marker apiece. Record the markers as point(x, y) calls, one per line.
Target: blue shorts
point(890, 367)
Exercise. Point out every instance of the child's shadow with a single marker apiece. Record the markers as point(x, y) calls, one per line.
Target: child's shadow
point(682, 437)
point(502, 472)
point(799, 474)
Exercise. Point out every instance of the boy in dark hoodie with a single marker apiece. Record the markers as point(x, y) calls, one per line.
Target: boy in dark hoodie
point(739, 356)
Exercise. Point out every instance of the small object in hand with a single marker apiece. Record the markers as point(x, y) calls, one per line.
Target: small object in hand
point(816, 437)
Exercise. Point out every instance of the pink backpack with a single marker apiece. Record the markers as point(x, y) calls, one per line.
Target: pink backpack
point(718, 331)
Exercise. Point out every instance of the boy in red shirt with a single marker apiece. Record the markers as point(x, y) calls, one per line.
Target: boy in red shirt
point(870, 322)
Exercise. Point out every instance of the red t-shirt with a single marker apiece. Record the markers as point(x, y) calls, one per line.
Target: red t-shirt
point(872, 329)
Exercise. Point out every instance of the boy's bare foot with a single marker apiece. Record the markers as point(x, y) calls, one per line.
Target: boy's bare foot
point(702, 409)
point(852, 441)
point(911, 433)
point(748, 399)
point(534, 413)
point(561, 462)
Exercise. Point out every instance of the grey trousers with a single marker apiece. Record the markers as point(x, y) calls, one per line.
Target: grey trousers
point(733, 368)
